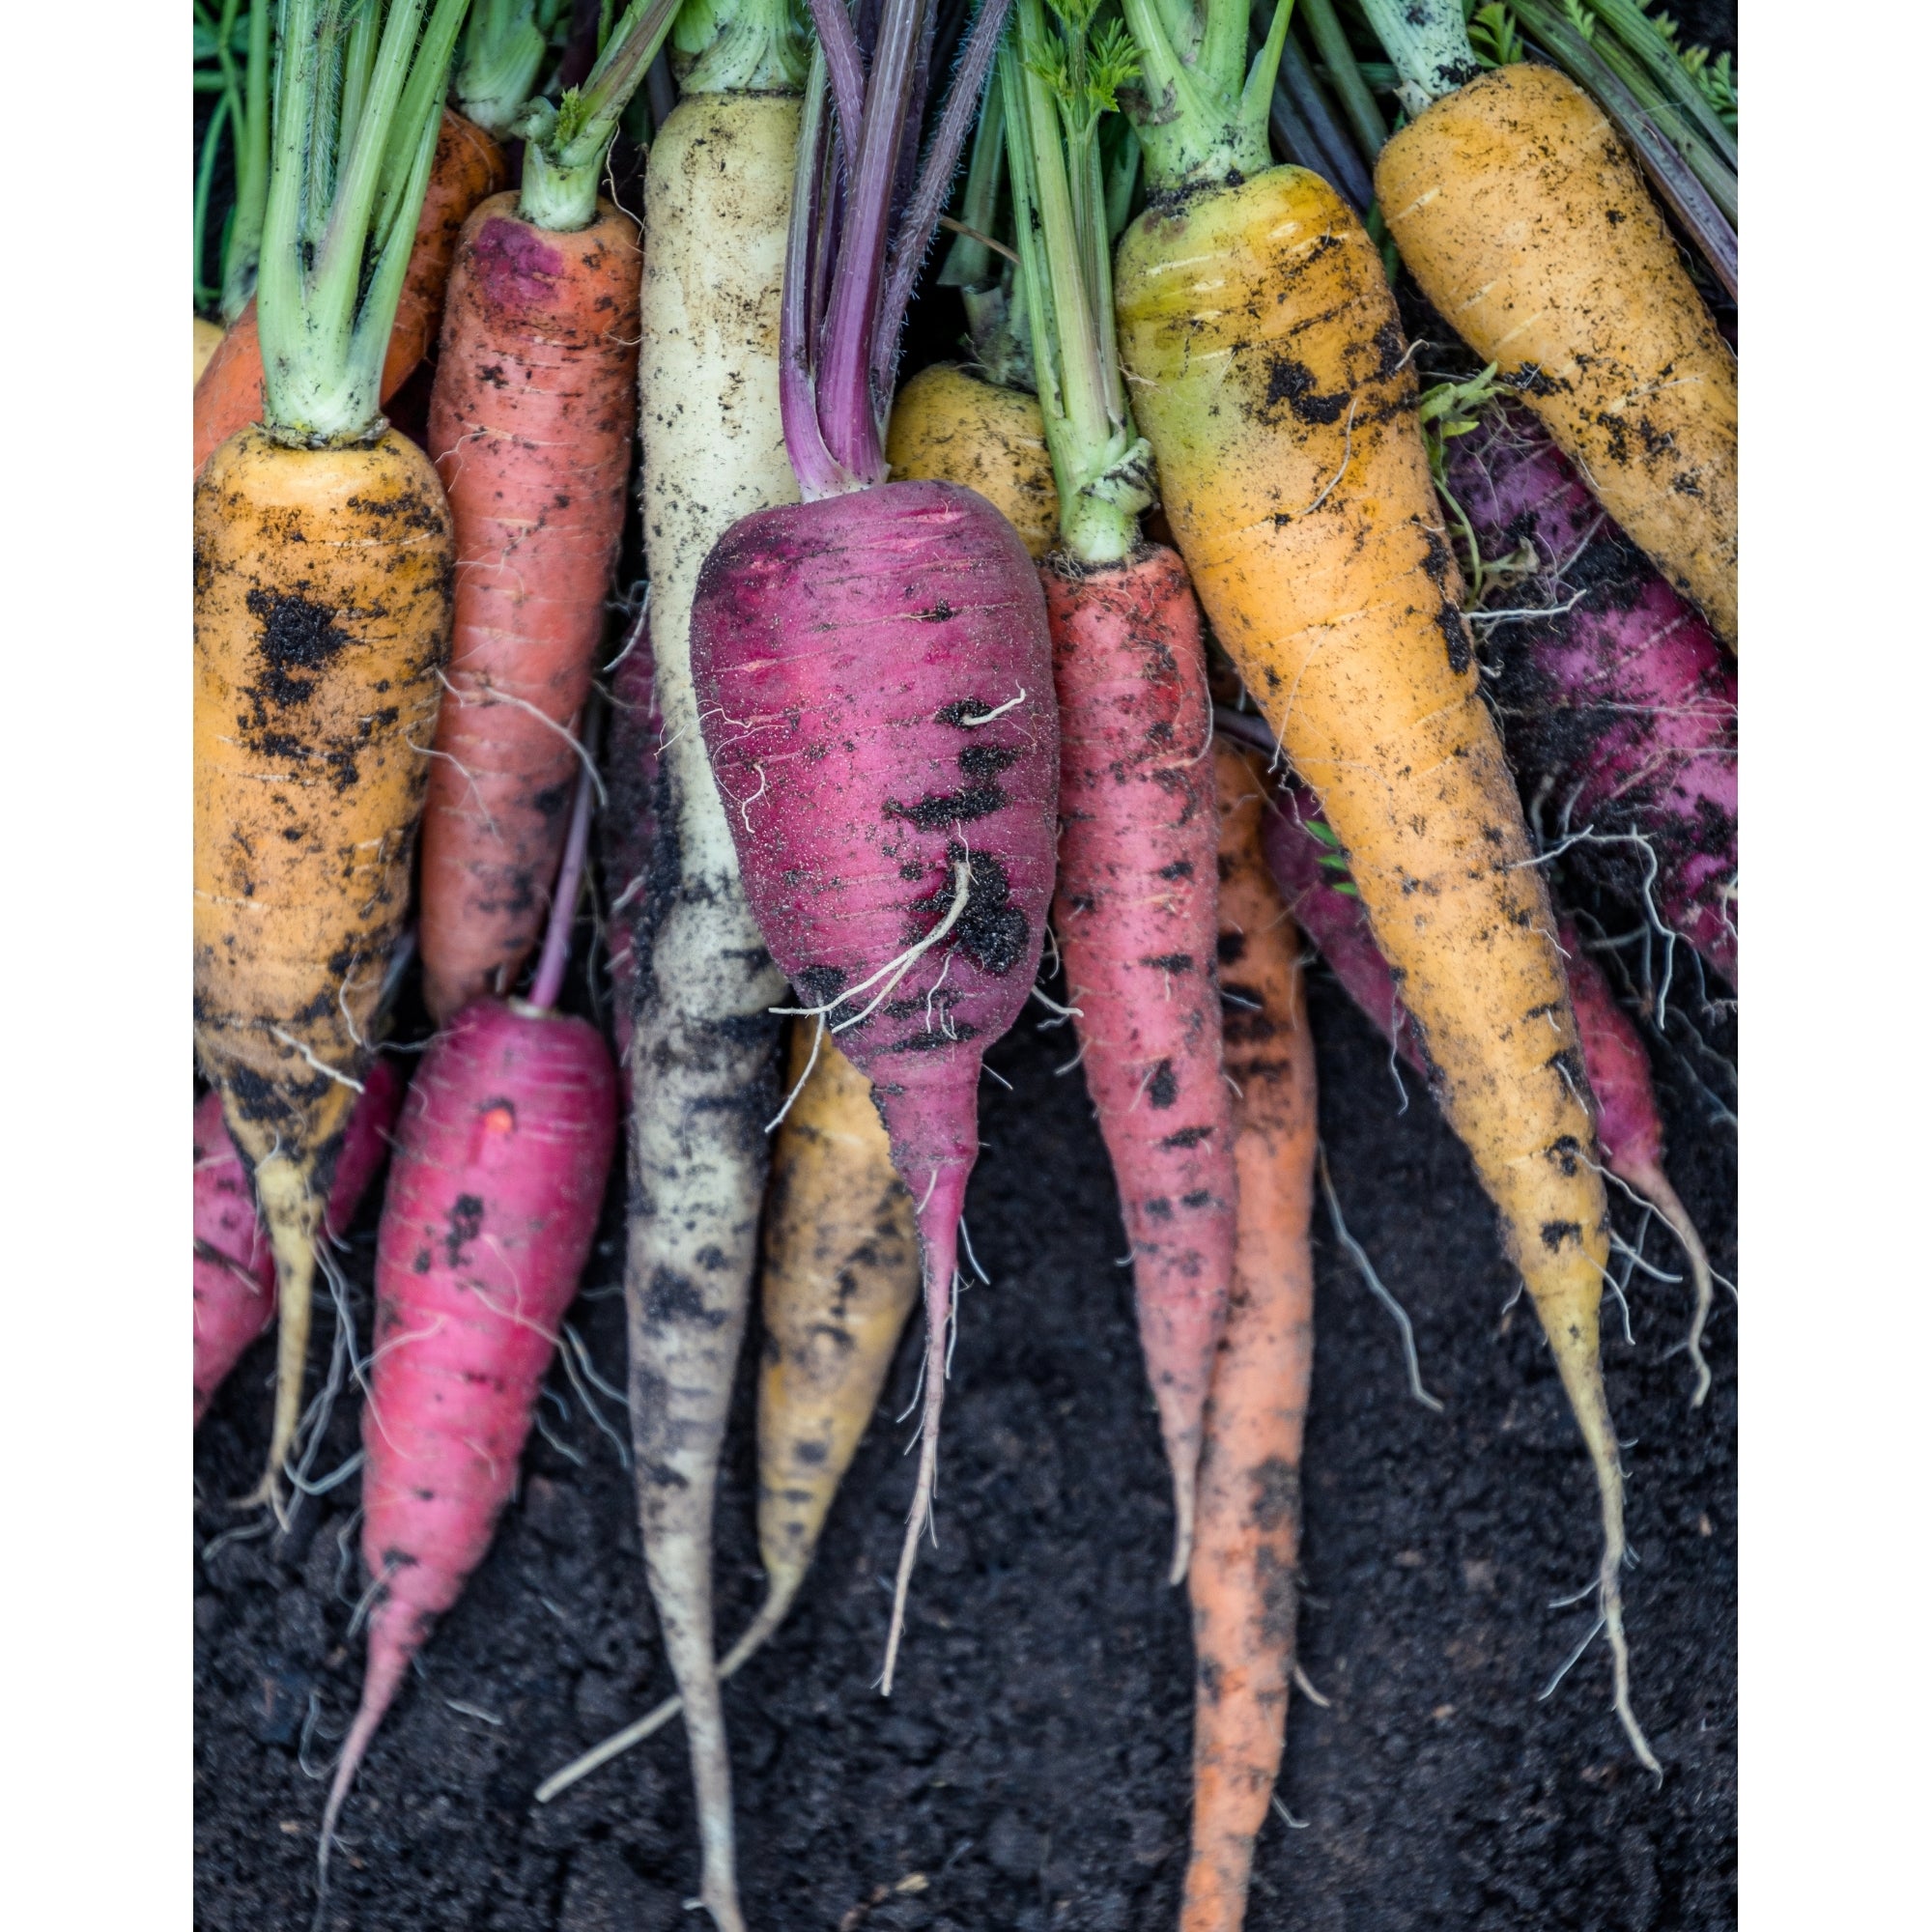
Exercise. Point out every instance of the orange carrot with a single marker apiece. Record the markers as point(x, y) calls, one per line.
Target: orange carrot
point(468, 167)
point(530, 428)
point(1248, 1511)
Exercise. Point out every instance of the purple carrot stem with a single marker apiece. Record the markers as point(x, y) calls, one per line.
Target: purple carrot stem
point(935, 182)
point(819, 472)
point(847, 418)
point(838, 41)
point(556, 955)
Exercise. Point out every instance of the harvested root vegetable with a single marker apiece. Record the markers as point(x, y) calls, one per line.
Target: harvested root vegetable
point(949, 425)
point(530, 428)
point(1620, 708)
point(1312, 875)
point(1134, 905)
point(1267, 367)
point(469, 165)
point(1520, 212)
point(322, 566)
point(840, 1276)
point(1241, 1580)
point(207, 340)
point(874, 679)
point(633, 749)
point(233, 1263)
point(507, 1139)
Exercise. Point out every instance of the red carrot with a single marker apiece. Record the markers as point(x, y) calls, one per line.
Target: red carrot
point(234, 1266)
point(1135, 907)
point(1312, 873)
point(505, 1141)
point(1620, 708)
point(530, 428)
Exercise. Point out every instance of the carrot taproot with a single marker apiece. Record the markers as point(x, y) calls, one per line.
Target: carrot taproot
point(840, 1276)
point(530, 426)
point(1242, 1580)
point(716, 199)
point(1312, 874)
point(234, 1263)
point(950, 425)
point(1270, 375)
point(505, 1143)
point(628, 843)
point(874, 679)
point(469, 165)
point(323, 565)
point(1134, 902)
point(1522, 215)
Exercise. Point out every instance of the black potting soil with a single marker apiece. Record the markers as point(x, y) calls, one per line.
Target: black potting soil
point(1031, 1769)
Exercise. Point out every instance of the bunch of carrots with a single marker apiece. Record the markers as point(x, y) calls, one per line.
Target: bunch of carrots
point(1188, 618)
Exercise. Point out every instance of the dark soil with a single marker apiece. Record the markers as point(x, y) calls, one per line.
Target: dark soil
point(1032, 1767)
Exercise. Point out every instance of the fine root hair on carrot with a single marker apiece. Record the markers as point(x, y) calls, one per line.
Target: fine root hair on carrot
point(1359, 1255)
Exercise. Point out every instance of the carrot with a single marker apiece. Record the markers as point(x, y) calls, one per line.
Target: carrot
point(1270, 374)
point(530, 426)
point(322, 560)
point(1619, 707)
point(1134, 905)
point(1313, 877)
point(953, 426)
point(207, 340)
point(1524, 218)
point(874, 680)
point(234, 1263)
point(469, 165)
point(716, 196)
point(505, 1144)
point(1242, 1578)
point(840, 1276)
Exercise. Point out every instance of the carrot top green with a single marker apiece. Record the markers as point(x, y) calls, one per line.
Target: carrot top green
point(358, 100)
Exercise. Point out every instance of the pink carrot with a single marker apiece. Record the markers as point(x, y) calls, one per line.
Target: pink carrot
point(234, 1269)
point(505, 1141)
point(1620, 708)
point(1135, 915)
point(1312, 873)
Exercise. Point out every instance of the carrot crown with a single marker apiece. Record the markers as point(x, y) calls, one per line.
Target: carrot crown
point(501, 51)
point(857, 235)
point(740, 46)
point(1198, 119)
point(358, 100)
point(567, 142)
point(1056, 84)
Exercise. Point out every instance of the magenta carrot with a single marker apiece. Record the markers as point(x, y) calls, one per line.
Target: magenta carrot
point(234, 1267)
point(1628, 1126)
point(875, 681)
point(505, 1141)
point(1620, 708)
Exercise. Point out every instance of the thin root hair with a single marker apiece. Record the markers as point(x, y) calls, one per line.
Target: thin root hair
point(1359, 1256)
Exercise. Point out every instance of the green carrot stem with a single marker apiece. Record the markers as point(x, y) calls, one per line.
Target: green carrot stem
point(1428, 42)
point(241, 246)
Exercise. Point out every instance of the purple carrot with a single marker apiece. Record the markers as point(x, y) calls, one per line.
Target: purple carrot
point(876, 680)
point(1620, 708)
point(1312, 872)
